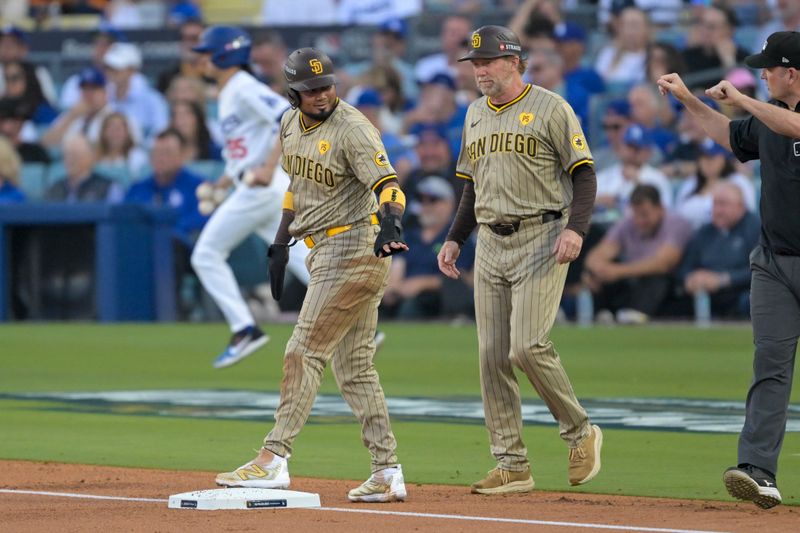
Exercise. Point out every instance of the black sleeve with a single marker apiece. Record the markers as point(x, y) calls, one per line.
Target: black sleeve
point(465, 220)
point(744, 138)
point(282, 236)
point(584, 191)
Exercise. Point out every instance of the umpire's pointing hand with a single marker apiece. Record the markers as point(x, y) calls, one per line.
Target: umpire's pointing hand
point(568, 246)
point(447, 259)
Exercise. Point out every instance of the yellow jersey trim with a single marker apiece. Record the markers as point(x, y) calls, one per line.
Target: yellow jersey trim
point(497, 109)
point(384, 179)
point(464, 176)
point(579, 163)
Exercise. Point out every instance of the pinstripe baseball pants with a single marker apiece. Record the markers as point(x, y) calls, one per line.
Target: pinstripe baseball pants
point(518, 287)
point(337, 323)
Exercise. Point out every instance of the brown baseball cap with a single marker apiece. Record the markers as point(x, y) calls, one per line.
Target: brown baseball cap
point(488, 42)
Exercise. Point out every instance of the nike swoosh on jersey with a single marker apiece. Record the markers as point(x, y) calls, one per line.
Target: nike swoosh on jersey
point(473, 124)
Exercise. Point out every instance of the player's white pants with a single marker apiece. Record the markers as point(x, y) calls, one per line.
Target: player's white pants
point(246, 210)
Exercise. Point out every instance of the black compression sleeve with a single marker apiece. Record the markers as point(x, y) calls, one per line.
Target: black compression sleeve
point(584, 191)
point(465, 220)
point(282, 236)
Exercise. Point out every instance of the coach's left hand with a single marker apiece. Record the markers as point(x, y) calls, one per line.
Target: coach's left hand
point(568, 246)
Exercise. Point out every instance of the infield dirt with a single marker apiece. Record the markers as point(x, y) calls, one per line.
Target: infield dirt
point(25, 512)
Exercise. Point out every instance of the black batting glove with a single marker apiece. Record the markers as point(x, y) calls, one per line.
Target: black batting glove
point(391, 231)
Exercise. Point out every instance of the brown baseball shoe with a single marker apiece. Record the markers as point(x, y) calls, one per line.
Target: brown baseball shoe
point(501, 481)
point(584, 461)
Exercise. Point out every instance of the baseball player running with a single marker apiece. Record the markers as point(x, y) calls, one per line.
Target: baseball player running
point(337, 165)
point(250, 114)
point(530, 189)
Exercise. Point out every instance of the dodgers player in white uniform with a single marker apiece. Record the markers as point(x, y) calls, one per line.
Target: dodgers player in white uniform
point(250, 115)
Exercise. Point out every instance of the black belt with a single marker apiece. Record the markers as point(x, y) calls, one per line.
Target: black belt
point(512, 227)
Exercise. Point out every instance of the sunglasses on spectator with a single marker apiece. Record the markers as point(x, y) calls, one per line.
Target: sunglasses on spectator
point(429, 199)
point(612, 127)
point(15, 78)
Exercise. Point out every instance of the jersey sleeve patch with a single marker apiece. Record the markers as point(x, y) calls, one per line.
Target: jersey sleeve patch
point(380, 158)
point(579, 142)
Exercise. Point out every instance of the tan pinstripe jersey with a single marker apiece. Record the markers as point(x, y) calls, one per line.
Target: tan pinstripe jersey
point(520, 155)
point(334, 166)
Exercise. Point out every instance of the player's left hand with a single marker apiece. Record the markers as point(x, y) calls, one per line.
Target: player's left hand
point(568, 246)
point(725, 93)
point(390, 237)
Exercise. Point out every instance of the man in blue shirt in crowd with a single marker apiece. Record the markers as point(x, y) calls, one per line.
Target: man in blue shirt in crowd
point(171, 185)
point(417, 288)
point(717, 257)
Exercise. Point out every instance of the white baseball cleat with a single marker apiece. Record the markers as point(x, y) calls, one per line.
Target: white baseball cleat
point(386, 485)
point(275, 475)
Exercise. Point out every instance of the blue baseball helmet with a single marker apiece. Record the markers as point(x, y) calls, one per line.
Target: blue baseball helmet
point(229, 46)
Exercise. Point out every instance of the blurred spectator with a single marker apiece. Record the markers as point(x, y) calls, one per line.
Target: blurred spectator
point(189, 119)
point(172, 185)
point(717, 258)
point(455, 30)
point(14, 11)
point(182, 11)
point(370, 103)
point(433, 158)
point(661, 12)
point(630, 271)
point(118, 149)
point(106, 36)
point(125, 14)
point(655, 114)
point(130, 93)
point(534, 20)
point(186, 89)
point(87, 115)
point(715, 48)
point(572, 47)
point(10, 166)
point(389, 84)
point(616, 183)
point(21, 83)
point(299, 12)
point(190, 31)
point(715, 164)
point(788, 19)
point(368, 12)
point(616, 119)
point(539, 34)
point(743, 79)
point(546, 69)
point(14, 49)
point(663, 58)
point(437, 104)
point(81, 184)
point(416, 288)
point(623, 60)
point(681, 162)
point(12, 119)
point(268, 56)
point(388, 48)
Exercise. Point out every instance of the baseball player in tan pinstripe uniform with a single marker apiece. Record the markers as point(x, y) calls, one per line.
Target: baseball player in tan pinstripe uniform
point(337, 165)
point(530, 189)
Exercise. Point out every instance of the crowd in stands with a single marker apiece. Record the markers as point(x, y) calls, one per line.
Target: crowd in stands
point(675, 216)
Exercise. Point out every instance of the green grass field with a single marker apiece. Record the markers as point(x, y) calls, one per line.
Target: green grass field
point(434, 361)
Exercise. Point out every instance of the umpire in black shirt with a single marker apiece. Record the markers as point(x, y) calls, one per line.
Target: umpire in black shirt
point(771, 134)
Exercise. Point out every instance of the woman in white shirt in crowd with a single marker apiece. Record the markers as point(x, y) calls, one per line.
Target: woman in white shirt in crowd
point(118, 152)
point(715, 163)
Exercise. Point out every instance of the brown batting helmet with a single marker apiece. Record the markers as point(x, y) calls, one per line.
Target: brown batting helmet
point(488, 42)
point(307, 69)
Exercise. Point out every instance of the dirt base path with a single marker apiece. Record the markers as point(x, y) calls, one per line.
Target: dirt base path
point(22, 512)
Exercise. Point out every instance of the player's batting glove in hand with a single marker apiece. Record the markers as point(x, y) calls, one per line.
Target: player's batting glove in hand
point(391, 231)
point(278, 258)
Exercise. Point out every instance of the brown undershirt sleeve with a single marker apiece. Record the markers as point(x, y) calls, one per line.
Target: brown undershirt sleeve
point(584, 191)
point(465, 220)
point(282, 236)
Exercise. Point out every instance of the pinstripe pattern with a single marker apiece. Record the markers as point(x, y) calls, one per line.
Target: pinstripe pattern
point(337, 322)
point(335, 166)
point(329, 164)
point(519, 156)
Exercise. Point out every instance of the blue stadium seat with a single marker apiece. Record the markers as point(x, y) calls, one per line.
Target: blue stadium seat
point(33, 180)
point(55, 172)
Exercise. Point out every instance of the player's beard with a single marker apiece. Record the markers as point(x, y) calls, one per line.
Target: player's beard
point(497, 88)
point(322, 115)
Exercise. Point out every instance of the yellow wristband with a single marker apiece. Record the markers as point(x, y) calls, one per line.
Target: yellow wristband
point(288, 201)
point(394, 195)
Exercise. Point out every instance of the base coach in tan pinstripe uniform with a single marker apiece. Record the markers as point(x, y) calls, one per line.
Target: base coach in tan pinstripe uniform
point(530, 189)
point(337, 164)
